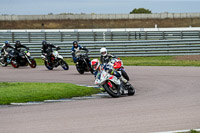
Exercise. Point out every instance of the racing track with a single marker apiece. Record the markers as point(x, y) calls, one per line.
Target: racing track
point(167, 99)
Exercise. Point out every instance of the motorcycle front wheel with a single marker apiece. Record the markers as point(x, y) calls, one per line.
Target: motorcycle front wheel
point(2, 63)
point(113, 91)
point(79, 69)
point(92, 71)
point(64, 65)
point(47, 66)
point(125, 75)
point(33, 63)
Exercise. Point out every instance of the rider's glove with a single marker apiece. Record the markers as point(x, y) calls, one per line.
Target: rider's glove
point(110, 71)
point(57, 48)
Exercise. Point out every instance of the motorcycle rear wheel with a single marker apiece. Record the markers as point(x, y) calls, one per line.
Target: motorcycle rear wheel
point(14, 63)
point(131, 90)
point(114, 91)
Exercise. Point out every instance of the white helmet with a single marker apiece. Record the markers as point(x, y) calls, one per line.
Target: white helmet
point(95, 63)
point(103, 51)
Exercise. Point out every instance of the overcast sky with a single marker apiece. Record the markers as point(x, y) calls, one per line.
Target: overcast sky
point(40, 7)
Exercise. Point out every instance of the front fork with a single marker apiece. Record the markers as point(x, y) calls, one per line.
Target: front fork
point(109, 83)
point(28, 59)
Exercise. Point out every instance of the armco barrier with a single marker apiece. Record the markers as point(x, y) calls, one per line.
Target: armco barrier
point(128, 48)
point(104, 35)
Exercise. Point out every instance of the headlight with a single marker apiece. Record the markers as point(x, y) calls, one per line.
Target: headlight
point(28, 54)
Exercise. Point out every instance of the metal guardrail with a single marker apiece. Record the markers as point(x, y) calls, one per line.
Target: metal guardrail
point(128, 48)
point(33, 37)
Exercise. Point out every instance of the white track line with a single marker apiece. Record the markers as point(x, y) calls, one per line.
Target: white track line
point(178, 131)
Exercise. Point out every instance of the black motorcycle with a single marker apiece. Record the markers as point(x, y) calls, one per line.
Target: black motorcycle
point(83, 62)
point(7, 60)
point(24, 59)
point(56, 60)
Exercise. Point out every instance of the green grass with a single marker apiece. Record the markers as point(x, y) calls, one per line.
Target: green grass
point(158, 61)
point(145, 61)
point(26, 92)
point(191, 131)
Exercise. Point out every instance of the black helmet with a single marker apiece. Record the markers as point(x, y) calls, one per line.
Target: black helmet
point(44, 43)
point(75, 44)
point(17, 43)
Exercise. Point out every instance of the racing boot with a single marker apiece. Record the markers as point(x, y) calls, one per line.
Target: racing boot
point(123, 80)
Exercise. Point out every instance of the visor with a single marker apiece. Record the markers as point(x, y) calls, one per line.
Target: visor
point(103, 53)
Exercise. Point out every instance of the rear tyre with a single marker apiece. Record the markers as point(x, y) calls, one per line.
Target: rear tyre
point(113, 91)
point(14, 63)
point(131, 90)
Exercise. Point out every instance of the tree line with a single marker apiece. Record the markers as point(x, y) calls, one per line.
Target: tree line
point(134, 11)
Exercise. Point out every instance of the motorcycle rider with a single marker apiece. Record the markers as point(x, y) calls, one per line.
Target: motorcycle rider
point(47, 50)
point(95, 64)
point(76, 49)
point(4, 51)
point(105, 56)
point(17, 49)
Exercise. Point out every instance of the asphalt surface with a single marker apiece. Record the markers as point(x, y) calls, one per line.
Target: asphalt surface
point(167, 99)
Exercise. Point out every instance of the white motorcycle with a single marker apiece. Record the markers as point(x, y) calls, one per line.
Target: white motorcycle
point(56, 60)
point(112, 85)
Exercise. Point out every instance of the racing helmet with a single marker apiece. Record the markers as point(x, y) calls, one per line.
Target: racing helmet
point(95, 63)
point(44, 43)
point(75, 44)
point(103, 51)
point(17, 43)
point(7, 43)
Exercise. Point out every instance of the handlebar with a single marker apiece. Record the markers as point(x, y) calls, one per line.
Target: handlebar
point(58, 48)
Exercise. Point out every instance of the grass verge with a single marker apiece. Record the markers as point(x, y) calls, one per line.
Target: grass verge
point(158, 61)
point(20, 92)
point(146, 61)
point(191, 131)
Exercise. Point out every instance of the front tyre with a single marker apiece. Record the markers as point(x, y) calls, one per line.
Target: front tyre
point(125, 75)
point(64, 65)
point(33, 63)
point(47, 66)
point(92, 71)
point(79, 69)
point(113, 91)
point(2, 63)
